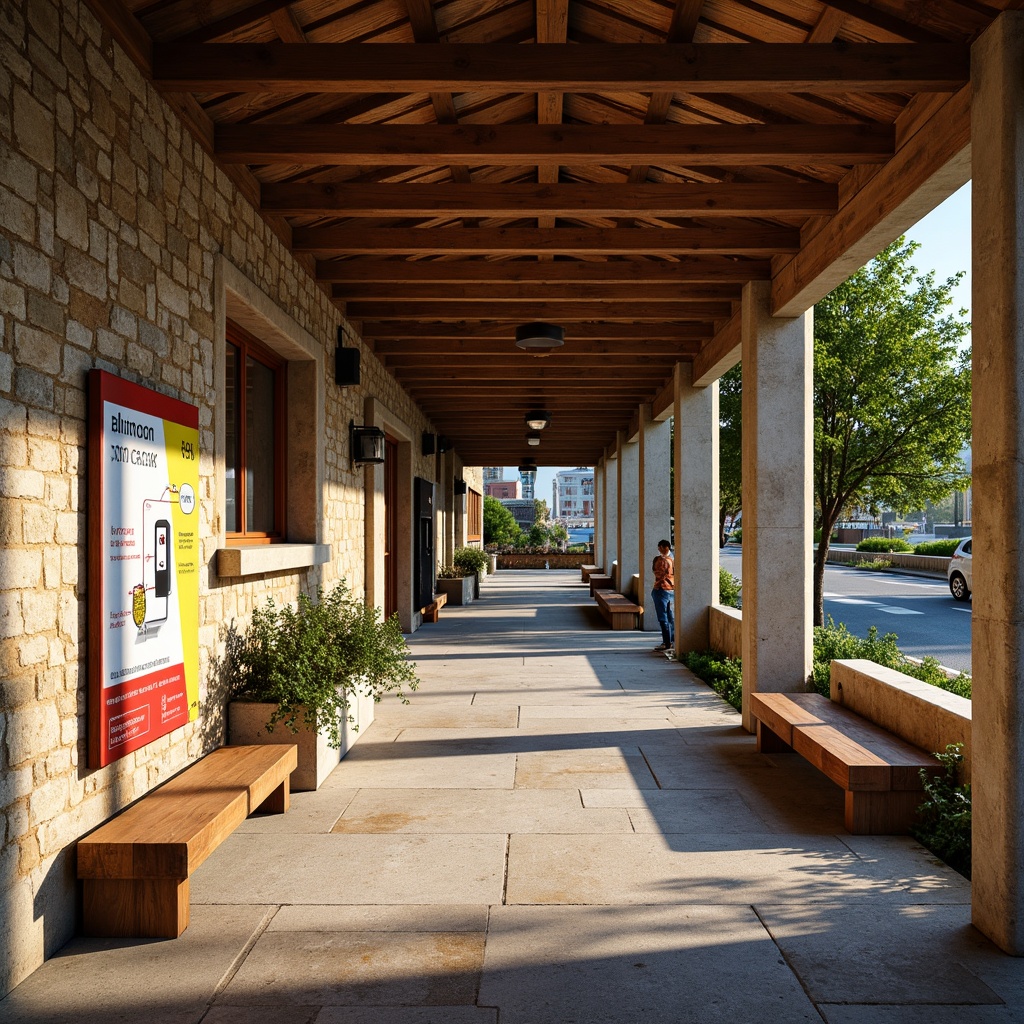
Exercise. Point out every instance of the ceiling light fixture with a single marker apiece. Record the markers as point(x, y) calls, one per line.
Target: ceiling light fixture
point(539, 339)
point(533, 439)
point(537, 419)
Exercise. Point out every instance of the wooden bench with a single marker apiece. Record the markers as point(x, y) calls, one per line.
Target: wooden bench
point(586, 570)
point(879, 772)
point(136, 867)
point(620, 611)
point(600, 581)
point(433, 610)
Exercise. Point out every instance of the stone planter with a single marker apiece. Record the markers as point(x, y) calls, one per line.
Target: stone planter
point(247, 723)
point(460, 590)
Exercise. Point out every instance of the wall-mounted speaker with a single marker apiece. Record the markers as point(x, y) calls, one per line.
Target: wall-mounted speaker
point(429, 443)
point(346, 366)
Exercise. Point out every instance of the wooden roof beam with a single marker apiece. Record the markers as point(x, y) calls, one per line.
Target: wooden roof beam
point(638, 311)
point(555, 67)
point(739, 239)
point(358, 145)
point(771, 199)
point(487, 292)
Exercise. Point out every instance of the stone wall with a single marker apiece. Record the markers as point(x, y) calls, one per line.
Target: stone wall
point(112, 221)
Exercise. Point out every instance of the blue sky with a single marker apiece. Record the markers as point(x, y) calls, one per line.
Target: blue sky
point(945, 237)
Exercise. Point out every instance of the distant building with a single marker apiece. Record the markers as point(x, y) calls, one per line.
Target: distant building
point(493, 474)
point(523, 510)
point(573, 494)
point(503, 489)
point(528, 481)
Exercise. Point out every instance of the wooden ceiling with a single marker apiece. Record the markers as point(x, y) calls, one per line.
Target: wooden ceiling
point(447, 180)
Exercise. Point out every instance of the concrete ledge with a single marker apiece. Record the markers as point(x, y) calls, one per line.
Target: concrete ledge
point(918, 712)
point(255, 559)
point(725, 626)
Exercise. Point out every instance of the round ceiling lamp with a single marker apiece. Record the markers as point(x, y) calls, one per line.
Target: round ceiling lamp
point(533, 440)
point(537, 419)
point(539, 338)
point(528, 466)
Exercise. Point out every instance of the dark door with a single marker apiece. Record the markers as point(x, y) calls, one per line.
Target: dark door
point(390, 527)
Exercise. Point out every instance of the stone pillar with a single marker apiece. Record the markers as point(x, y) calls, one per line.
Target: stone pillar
point(997, 140)
point(778, 361)
point(446, 508)
point(696, 501)
point(598, 511)
point(629, 511)
point(611, 520)
point(655, 519)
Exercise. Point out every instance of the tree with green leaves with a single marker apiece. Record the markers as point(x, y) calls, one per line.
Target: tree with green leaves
point(730, 448)
point(500, 526)
point(892, 394)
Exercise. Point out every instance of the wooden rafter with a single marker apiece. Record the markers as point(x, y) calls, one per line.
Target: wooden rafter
point(739, 239)
point(721, 67)
point(570, 200)
point(600, 292)
point(685, 145)
point(637, 311)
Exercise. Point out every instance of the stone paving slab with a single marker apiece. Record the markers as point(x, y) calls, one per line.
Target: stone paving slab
point(680, 811)
point(360, 969)
point(309, 812)
point(137, 981)
point(478, 811)
point(658, 965)
point(705, 869)
point(449, 716)
point(380, 918)
point(398, 766)
point(309, 869)
point(894, 955)
point(930, 1014)
point(408, 1015)
point(531, 714)
point(583, 769)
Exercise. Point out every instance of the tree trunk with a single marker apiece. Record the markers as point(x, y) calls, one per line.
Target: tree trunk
point(820, 560)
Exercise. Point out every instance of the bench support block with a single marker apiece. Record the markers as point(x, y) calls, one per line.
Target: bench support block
point(881, 814)
point(769, 742)
point(125, 907)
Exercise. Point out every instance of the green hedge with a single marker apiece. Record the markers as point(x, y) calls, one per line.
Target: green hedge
point(729, 588)
point(938, 547)
point(885, 544)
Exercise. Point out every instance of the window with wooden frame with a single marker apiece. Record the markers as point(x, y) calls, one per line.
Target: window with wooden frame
point(474, 515)
point(255, 452)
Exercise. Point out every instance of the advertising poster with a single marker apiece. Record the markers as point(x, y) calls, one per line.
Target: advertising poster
point(143, 566)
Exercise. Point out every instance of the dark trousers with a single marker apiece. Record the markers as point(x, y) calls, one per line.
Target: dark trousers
point(663, 608)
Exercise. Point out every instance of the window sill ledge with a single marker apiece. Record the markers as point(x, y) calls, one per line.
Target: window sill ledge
point(253, 560)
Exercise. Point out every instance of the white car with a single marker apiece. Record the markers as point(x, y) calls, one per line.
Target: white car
point(959, 571)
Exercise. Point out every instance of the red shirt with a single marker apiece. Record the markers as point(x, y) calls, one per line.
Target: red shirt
point(664, 573)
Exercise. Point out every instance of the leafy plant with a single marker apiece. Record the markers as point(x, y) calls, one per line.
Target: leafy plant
point(470, 561)
point(723, 674)
point(450, 572)
point(737, 535)
point(938, 547)
point(889, 544)
point(309, 660)
point(876, 565)
point(729, 588)
point(944, 825)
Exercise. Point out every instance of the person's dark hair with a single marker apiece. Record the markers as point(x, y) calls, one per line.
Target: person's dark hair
point(664, 544)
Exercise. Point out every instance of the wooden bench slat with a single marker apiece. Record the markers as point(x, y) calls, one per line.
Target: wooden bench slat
point(879, 772)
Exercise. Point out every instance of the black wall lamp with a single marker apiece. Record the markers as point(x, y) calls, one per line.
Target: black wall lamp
point(459, 487)
point(367, 443)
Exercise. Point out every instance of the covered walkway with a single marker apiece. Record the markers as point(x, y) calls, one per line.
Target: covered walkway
point(561, 826)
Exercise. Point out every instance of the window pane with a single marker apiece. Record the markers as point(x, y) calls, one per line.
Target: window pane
point(259, 447)
point(232, 437)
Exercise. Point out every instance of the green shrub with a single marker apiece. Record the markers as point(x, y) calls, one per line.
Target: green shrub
point(311, 659)
point(724, 675)
point(944, 825)
point(470, 561)
point(885, 544)
point(938, 547)
point(729, 588)
point(449, 572)
point(833, 643)
point(876, 565)
point(737, 535)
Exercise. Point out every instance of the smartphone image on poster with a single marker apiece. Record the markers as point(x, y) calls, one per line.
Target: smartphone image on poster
point(156, 531)
point(162, 556)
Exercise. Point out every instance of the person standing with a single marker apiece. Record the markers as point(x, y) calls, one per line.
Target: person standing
point(663, 594)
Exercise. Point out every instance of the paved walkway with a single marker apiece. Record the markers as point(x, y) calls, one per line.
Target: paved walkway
point(562, 827)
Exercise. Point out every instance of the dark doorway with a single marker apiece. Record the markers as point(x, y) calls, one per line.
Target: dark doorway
point(390, 527)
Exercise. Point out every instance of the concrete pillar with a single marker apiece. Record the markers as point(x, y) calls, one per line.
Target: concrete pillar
point(778, 362)
point(997, 142)
point(445, 504)
point(629, 511)
point(655, 519)
point(696, 501)
point(611, 520)
point(598, 511)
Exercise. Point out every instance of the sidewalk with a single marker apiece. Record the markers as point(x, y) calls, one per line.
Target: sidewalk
point(561, 827)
